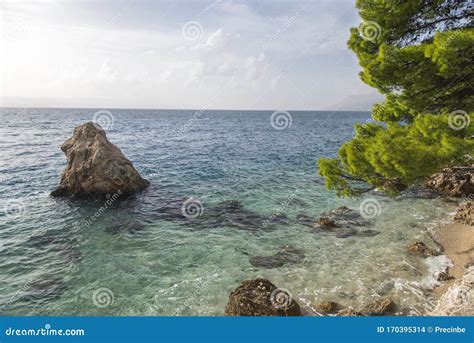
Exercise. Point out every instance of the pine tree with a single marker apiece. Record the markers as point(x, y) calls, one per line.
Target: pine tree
point(420, 55)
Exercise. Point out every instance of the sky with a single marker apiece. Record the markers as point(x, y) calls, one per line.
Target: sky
point(216, 54)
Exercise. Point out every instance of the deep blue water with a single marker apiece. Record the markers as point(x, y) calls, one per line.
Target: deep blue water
point(138, 258)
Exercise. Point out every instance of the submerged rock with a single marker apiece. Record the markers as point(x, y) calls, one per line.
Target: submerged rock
point(422, 249)
point(95, 167)
point(260, 297)
point(129, 227)
point(233, 214)
point(70, 253)
point(45, 289)
point(288, 254)
point(345, 232)
point(343, 217)
point(229, 213)
point(454, 181)
point(368, 233)
point(465, 213)
point(343, 222)
point(305, 220)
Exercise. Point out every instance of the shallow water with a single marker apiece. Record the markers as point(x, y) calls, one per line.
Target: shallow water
point(143, 257)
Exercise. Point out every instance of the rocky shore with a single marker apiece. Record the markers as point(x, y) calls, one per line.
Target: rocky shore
point(455, 295)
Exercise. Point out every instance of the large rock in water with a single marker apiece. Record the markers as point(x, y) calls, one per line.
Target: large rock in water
point(260, 297)
point(96, 167)
point(454, 181)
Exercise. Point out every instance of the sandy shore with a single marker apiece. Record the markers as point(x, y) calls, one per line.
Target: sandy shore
point(456, 296)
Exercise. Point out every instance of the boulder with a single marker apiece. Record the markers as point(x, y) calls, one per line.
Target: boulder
point(304, 219)
point(260, 297)
point(326, 222)
point(379, 307)
point(343, 222)
point(95, 167)
point(465, 213)
point(454, 181)
point(444, 276)
point(342, 217)
point(345, 232)
point(422, 249)
point(327, 307)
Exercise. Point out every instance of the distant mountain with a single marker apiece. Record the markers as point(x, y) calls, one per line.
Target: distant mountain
point(357, 102)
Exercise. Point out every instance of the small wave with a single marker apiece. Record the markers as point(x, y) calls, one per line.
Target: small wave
point(436, 265)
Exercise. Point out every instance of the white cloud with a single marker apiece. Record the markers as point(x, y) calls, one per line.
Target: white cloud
point(77, 50)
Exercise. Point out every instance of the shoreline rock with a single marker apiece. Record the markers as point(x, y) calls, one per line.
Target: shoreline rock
point(465, 213)
point(328, 307)
point(455, 294)
point(458, 299)
point(379, 307)
point(453, 181)
point(95, 167)
point(260, 297)
point(422, 249)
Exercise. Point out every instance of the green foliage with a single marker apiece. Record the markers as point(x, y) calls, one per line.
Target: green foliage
point(419, 54)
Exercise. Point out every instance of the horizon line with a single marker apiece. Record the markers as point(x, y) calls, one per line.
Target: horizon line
point(180, 109)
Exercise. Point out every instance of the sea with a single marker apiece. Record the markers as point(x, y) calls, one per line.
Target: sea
point(225, 187)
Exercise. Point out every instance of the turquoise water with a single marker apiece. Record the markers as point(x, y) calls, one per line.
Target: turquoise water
point(143, 257)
